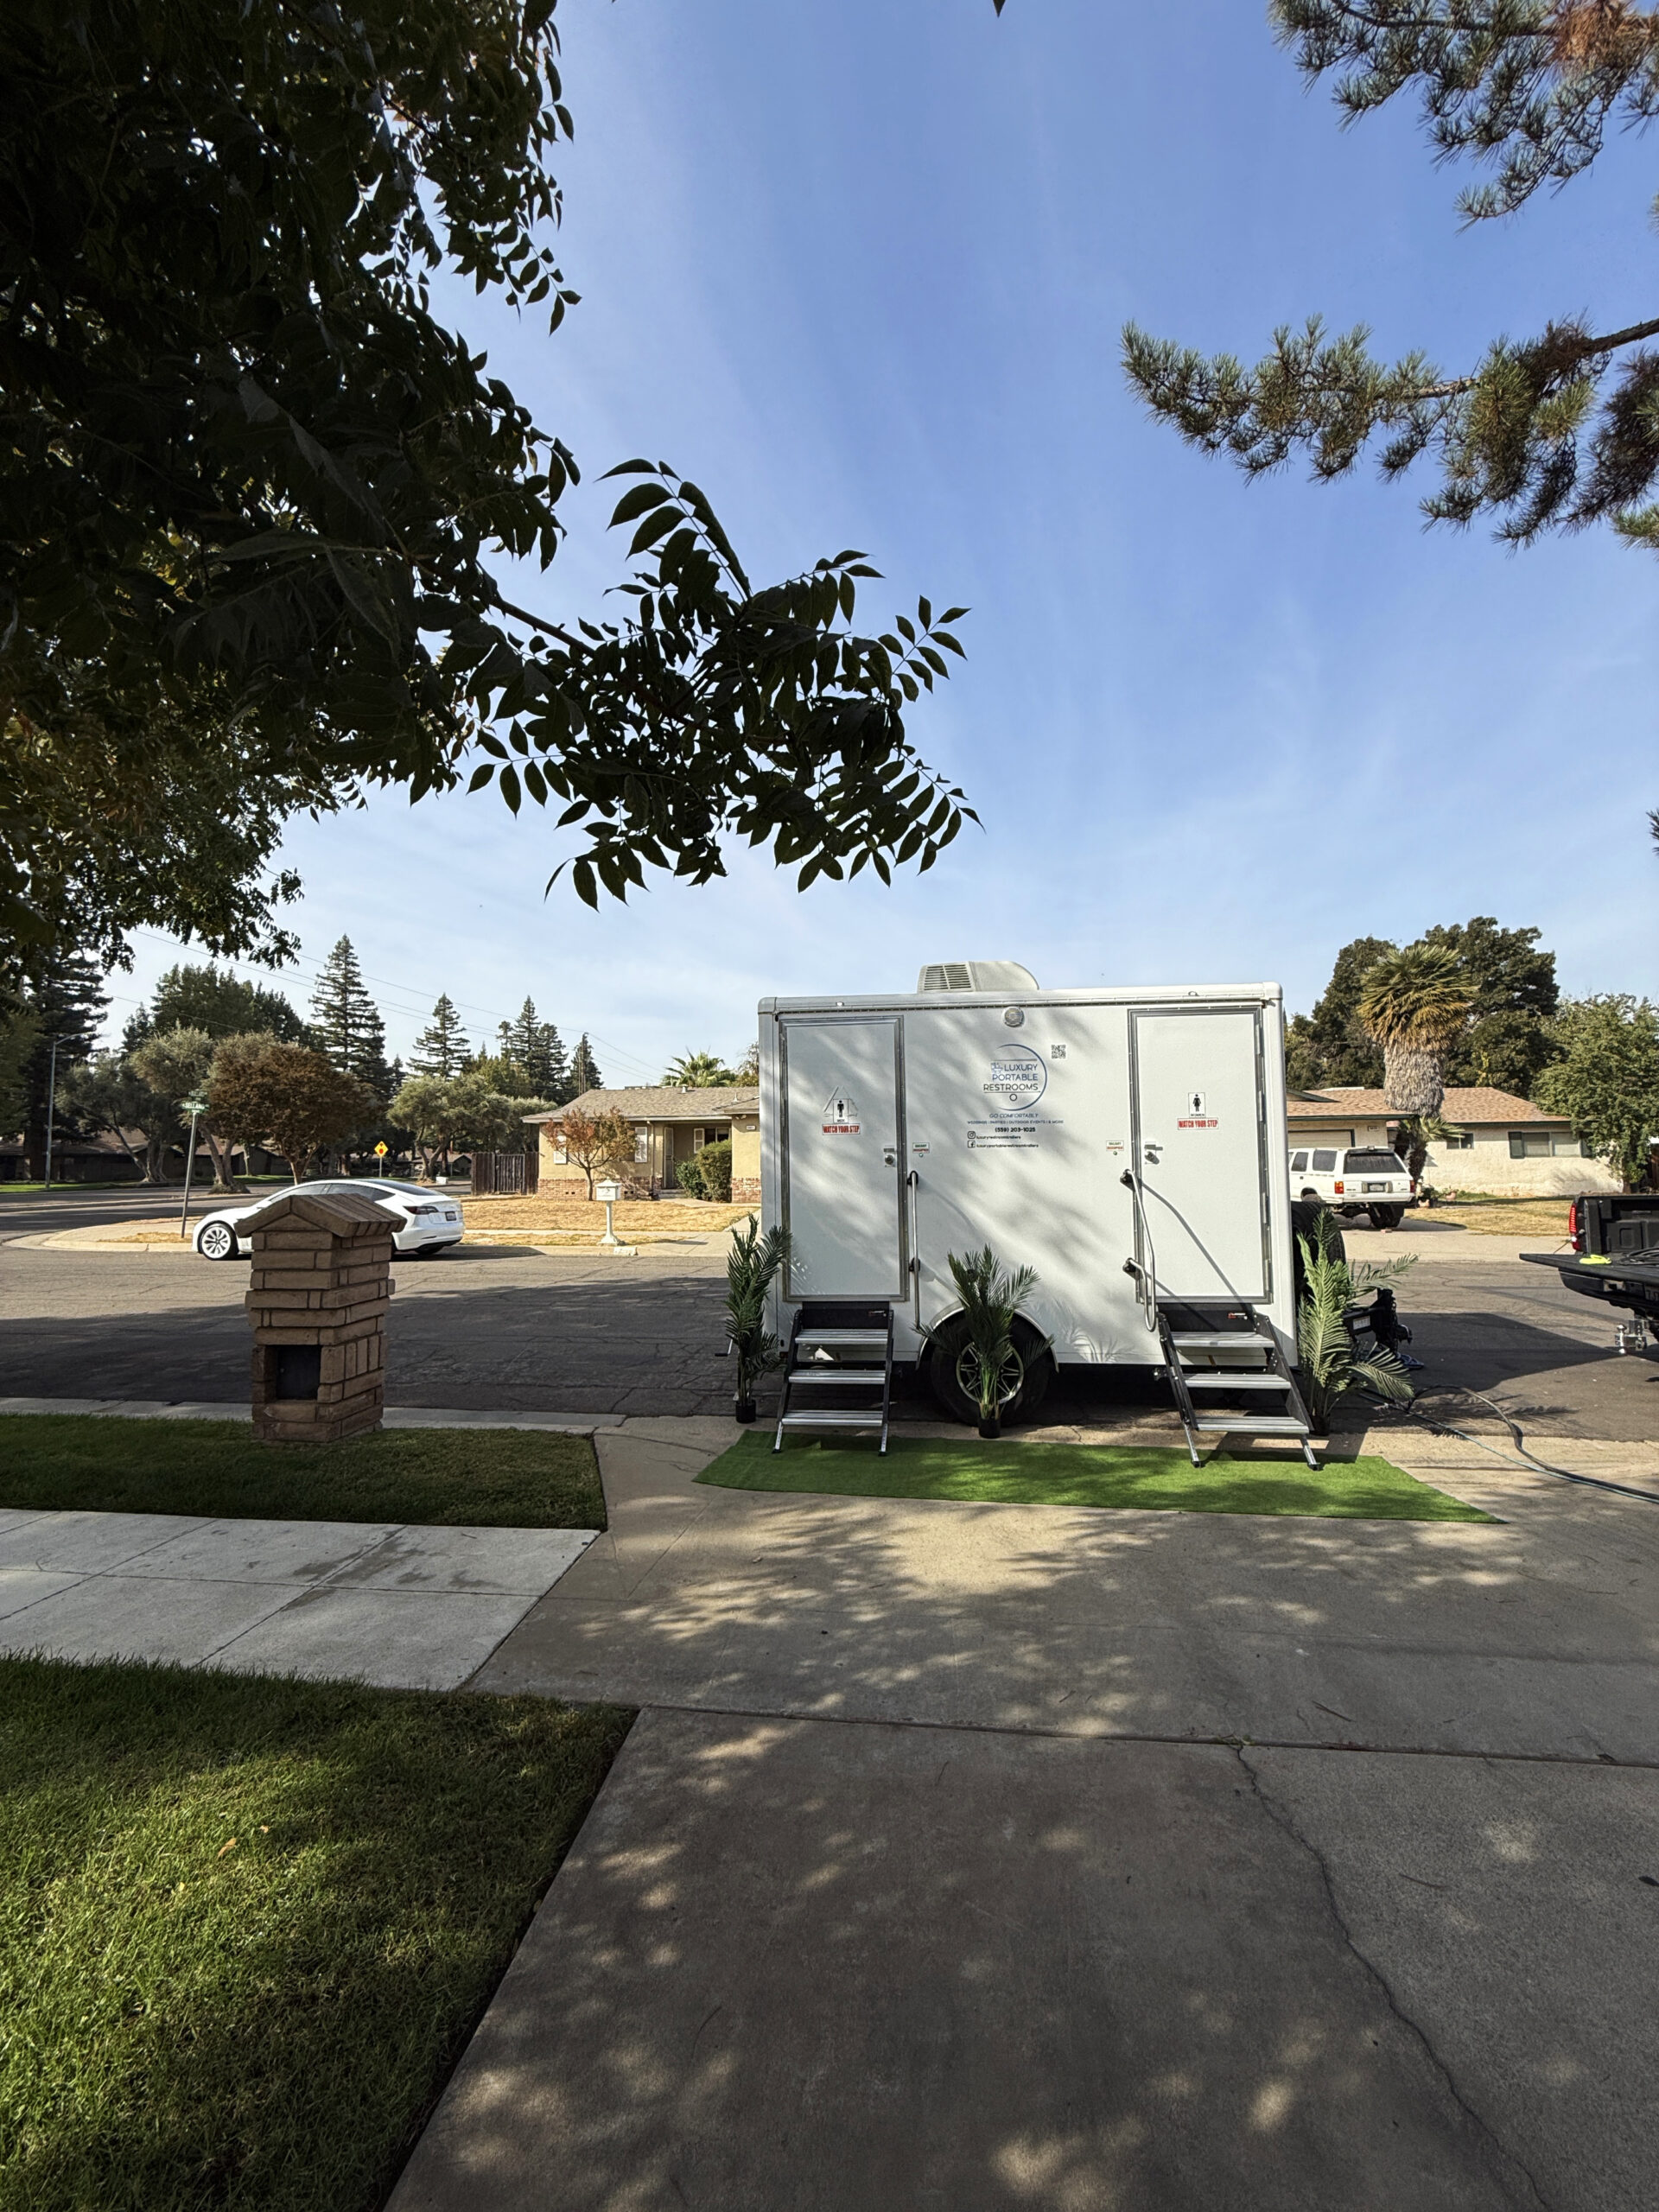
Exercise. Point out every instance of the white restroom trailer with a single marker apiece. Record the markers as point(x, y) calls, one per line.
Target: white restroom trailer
point(1127, 1143)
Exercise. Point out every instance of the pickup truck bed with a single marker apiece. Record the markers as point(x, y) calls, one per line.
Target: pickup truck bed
point(1616, 1254)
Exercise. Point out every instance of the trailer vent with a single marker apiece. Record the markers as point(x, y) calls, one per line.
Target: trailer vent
point(976, 976)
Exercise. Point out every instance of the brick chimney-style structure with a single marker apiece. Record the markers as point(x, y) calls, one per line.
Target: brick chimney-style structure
point(321, 1280)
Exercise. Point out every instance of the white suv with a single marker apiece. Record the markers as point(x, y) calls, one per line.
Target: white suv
point(1361, 1179)
point(425, 1223)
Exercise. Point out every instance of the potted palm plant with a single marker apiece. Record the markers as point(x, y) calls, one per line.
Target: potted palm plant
point(991, 1296)
point(1330, 1365)
point(752, 1264)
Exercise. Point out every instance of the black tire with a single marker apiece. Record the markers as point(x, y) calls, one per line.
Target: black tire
point(217, 1239)
point(1310, 1199)
point(1386, 1217)
point(952, 1370)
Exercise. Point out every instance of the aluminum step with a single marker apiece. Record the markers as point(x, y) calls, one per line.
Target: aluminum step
point(862, 1378)
point(1253, 1424)
point(1238, 1378)
point(832, 1417)
point(874, 1340)
point(1228, 1340)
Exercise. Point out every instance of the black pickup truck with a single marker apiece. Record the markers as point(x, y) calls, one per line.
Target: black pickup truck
point(1615, 1253)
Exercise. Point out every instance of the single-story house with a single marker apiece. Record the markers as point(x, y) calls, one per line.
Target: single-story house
point(671, 1123)
point(1498, 1142)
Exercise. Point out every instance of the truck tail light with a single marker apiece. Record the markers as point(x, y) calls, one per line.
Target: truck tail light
point(1411, 1188)
point(1338, 1187)
point(1575, 1226)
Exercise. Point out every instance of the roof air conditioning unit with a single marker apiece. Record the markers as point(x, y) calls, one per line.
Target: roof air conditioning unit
point(976, 976)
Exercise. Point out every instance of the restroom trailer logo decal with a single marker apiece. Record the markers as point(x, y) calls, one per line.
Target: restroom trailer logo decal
point(841, 1117)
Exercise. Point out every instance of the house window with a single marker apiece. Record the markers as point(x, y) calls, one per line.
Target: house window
point(1528, 1144)
point(1457, 1140)
point(641, 1146)
point(561, 1157)
point(1564, 1146)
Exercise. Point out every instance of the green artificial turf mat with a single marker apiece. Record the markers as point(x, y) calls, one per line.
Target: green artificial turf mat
point(247, 1926)
point(1008, 1472)
point(466, 1478)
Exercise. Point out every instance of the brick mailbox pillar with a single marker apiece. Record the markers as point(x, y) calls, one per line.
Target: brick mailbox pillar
point(321, 1280)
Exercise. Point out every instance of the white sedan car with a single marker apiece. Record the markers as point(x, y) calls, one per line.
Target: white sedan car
point(426, 1222)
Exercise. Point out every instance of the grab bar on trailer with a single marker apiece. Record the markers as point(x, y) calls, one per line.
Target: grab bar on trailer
point(913, 1184)
point(1146, 1279)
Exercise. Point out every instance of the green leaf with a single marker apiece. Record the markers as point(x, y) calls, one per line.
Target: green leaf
point(510, 787)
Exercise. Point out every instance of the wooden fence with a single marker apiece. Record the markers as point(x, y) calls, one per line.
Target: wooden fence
point(506, 1174)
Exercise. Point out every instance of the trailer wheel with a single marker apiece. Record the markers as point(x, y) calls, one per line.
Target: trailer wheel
point(953, 1371)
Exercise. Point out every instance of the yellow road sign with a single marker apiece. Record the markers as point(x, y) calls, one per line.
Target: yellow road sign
point(380, 1152)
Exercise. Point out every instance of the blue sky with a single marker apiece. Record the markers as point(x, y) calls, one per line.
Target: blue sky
point(860, 270)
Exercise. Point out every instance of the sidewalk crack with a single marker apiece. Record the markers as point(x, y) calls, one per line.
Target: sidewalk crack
point(1282, 1818)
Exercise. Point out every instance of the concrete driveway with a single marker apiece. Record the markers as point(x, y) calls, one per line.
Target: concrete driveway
point(1003, 1857)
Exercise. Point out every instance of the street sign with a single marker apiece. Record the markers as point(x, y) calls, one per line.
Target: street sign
point(380, 1151)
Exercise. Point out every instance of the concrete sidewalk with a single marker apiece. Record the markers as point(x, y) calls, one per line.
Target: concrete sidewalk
point(1534, 1635)
point(993, 1858)
point(401, 1607)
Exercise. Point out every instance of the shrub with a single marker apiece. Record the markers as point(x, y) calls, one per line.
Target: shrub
point(714, 1166)
point(689, 1176)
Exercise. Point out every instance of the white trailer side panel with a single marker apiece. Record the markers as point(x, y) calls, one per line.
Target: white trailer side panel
point(1019, 1137)
point(896, 1129)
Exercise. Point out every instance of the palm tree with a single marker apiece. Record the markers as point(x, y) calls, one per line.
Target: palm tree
point(700, 1071)
point(1415, 1004)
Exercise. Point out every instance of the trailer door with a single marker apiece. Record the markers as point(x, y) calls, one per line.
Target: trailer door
point(842, 1156)
point(1200, 1138)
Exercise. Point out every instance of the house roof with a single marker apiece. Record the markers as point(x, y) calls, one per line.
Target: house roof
point(1479, 1104)
point(663, 1101)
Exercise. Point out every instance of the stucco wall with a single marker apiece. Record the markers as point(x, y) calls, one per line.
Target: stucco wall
point(1486, 1165)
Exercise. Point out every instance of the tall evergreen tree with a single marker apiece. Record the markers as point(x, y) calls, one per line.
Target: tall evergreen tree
point(440, 1049)
point(1513, 996)
point(584, 1070)
point(536, 1047)
point(203, 998)
point(346, 1022)
point(64, 1000)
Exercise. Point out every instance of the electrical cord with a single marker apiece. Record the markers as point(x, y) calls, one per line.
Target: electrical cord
point(1520, 1455)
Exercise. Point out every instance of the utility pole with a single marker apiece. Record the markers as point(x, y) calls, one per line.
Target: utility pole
point(195, 1108)
point(51, 1102)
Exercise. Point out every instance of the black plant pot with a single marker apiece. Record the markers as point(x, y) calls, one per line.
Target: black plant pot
point(743, 1410)
point(990, 1430)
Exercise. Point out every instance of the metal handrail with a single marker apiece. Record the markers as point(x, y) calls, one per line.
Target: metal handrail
point(913, 1184)
point(1146, 1279)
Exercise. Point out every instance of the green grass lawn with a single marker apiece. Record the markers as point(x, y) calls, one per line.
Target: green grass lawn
point(1013, 1473)
point(246, 1926)
point(472, 1478)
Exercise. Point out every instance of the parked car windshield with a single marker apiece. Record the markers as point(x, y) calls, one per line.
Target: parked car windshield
point(1375, 1163)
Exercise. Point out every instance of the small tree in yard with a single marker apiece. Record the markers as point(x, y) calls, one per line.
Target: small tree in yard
point(1607, 1080)
point(176, 1064)
point(289, 1099)
point(599, 1144)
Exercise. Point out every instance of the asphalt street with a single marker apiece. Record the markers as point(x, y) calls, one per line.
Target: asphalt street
point(581, 1333)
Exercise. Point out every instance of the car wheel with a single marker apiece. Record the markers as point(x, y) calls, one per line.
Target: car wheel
point(953, 1371)
point(216, 1240)
point(1312, 1198)
point(1386, 1217)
